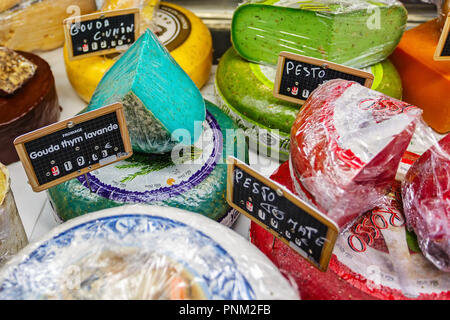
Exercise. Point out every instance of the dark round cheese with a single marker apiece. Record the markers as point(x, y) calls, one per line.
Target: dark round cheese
point(33, 106)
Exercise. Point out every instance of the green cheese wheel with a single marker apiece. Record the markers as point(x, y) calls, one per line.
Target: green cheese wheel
point(356, 33)
point(194, 180)
point(245, 92)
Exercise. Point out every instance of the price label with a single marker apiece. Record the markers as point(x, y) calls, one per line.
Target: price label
point(70, 148)
point(298, 76)
point(101, 33)
point(442, 52)
point(307, 231)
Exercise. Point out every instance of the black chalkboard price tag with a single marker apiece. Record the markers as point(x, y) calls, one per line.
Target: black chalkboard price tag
point(101, 33)
point(70, 148)
point(442, 52)
point(307, 231)
point(298, 76)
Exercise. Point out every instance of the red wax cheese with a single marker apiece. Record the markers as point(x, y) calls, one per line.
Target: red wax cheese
point(346, 145)
point(371, 260)
point(426, 82)
point(426, 201)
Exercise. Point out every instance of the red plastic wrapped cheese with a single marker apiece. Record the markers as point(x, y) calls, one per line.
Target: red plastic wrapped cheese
point(346, 146)
point(426, 201)
point(371, 260)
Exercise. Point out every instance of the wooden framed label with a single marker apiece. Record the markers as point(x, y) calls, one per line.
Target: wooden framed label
point(101, 33)
point(298, 76)
point(442, 52)
point(306, 230)
point(70, 148)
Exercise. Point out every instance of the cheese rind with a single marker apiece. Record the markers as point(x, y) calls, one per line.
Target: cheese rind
point(37, 25)
point(425, 81)
point(160, 100)
point(12, 234)
point(356, 33)
point(199, 186)
point(184, 35)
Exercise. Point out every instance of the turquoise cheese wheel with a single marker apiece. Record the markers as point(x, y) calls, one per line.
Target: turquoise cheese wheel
point(245, 92)
point(357, 33)
point(195, 180)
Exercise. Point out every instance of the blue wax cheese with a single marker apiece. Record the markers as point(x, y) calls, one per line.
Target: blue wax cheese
point(162, 105)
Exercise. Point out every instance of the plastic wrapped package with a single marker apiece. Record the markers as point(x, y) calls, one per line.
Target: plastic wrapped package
point(245, 92)
point(425, 81)
point(12, 234)
point(374, 259)
point(142, 252)
point(6, 4)
point(426, 201)
point(356, 33)
point(197, 181)
point(163, 107)
point(184, 34)
point(38, 24)
point(346, 146)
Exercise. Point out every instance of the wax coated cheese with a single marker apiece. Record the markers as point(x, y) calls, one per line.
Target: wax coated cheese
point(371, 260)
point(357, 33)
point(245, 90)
point(15, 70)
point(196, 181)
point(162, 105)
point(425, 82)
point(185, 36)
point(38, 24)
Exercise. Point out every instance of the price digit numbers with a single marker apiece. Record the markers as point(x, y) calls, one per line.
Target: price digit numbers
point(307, 231)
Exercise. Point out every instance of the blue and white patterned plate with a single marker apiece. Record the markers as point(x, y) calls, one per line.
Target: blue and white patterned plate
point(223, 264)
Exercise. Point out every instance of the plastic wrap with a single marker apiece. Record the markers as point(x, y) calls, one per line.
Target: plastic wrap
point(245, 92)
point(12, 234)
point(426, 201)
point(38, 24)
point(142, 252)
point(162, 105)
point(196, 182)
point(425, 81)
point(180, 31)
point(347, 144)
point(374, 259)
point(356, 33)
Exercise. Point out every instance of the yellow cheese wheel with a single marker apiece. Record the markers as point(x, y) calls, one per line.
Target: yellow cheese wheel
point(184, 35)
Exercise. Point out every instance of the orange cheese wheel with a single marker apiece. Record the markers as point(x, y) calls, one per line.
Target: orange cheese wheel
point(426, 82)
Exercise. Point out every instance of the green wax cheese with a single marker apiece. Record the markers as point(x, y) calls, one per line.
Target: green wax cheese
point(245, 92)
point(194, 180)
point(356, 33)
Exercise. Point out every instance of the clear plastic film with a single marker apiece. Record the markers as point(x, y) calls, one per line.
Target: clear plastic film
point(12, 234)
point(376, 258)
point(143, 252)
point(426, 202)
point(356, 33)
point(147, 9)
point(38, 24)
point(346, 146)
